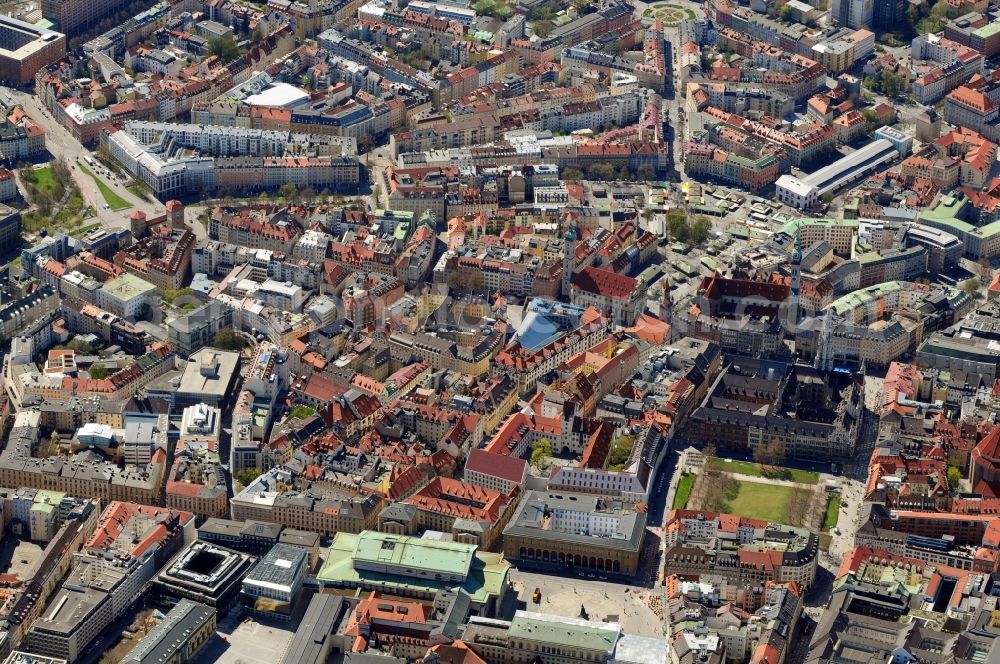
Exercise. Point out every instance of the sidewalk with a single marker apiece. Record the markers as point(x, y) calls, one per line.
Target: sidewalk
point(767, 480)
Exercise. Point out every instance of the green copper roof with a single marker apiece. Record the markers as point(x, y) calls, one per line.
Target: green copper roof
point(486, 578)
point(413, 552)
point(566, 632)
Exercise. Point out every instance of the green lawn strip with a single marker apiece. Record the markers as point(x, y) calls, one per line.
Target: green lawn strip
point(683, 492)
point(302, 412)
point(756, 500)
point(115, 201)
point(755, 470)
point(832, 512)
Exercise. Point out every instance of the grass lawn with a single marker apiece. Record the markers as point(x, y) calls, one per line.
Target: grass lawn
point(757, 500)
point(138, 192)
point(683, 492)
point(832, 512)
point(302, 412)
point(755, 470)
point(621, 448)
point(110, 197)
point(170, 294)
point(45, 178)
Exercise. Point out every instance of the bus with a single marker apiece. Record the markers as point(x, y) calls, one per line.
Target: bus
point(89, 160)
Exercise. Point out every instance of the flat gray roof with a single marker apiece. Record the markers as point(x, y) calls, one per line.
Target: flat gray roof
point(318, 625)
point(209, 372)
point(171, 635)
point(279, 567)
point(843, 169)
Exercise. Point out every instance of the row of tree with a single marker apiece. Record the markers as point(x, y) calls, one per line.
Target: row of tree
point(603, 170)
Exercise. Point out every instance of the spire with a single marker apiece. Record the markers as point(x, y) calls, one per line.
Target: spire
point(824, 349)
point(797, 254)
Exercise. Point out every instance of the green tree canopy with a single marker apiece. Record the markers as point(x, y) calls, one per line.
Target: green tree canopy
point(677, 224)
point(225, 49)
point(540, 451)
point(645, 172)
point(700, 230)
point(227, 339)
point(954, 477)
point(247, 475)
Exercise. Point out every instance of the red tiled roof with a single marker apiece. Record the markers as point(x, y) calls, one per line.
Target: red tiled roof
point(460, 499)
point(503, 466)
point(604, 282)
point(189, 489)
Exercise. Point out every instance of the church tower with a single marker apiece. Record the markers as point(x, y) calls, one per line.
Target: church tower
point(667, 304)
point(824, 347)
point(796, 280)
point(569, 257)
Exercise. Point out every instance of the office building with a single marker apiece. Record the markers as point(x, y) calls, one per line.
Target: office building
point(204, 573)
point(178, 637)
point(73, 16)
point(25, 48)
point(10, 220)
point(127, 296)
point(131, 541)
point(854, 13)
point(208, 377)
point(20, 657)
point(551, 639)
point(888, 14)
point(731, 422)
point(618, 296)
point(193, 331)
point(273, 587)
point(566, 531)
point(471, 513)
point(739, 549)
